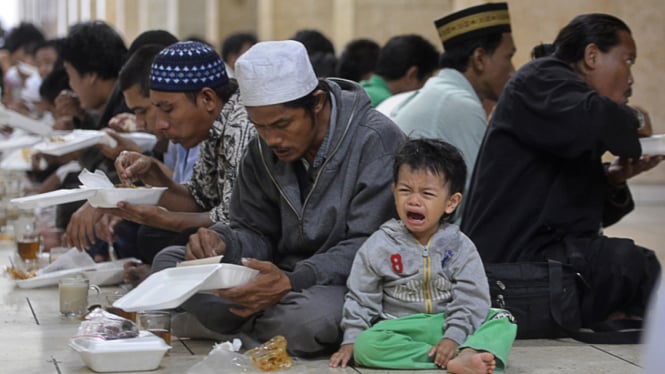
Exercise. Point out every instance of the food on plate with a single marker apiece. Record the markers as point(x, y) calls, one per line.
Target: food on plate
point(26, 154)
point(56, 139)
point(271, 355)
point(20, 274)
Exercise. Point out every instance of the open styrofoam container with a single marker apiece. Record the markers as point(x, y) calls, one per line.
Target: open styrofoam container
point(171, 287)
point(228, 275)
point(142, 353)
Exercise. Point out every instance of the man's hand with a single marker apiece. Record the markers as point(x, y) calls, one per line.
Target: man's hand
point(122, 144)
point(67, 104)
point(105, 227)
point(132, 166)
point(124, 122)
point(264, 291)
point(620, 170)
point(81, 228)
point(443, 352)
point(342, 356)
point(204, 243)
point(141, 214)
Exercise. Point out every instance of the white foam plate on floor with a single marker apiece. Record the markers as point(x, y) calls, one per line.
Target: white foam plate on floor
point(101, 274)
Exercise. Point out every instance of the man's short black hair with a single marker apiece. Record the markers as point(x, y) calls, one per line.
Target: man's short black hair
point(55, 82)
point(358, 59)
point(321, 51)
point(599, 29)
point(235, 42)
point(404, 51)
point(94, 47)
point(457, 54)
point(435, 156)
point(159, 37)
point(137, 69)
point(26, 35)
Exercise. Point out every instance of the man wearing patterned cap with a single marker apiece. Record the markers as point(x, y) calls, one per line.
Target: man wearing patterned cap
point(196, 104)
point(312, 187)
point(475, 65)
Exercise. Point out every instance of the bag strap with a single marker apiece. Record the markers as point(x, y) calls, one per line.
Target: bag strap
point(612, 333)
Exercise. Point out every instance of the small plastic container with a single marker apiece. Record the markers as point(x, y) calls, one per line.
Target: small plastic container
point(653, 145)
point(142, 353)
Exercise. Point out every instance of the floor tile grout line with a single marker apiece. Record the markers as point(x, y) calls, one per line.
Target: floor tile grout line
point(34, 315)
point(615, 355)
point(186, 346)
point(55, 363)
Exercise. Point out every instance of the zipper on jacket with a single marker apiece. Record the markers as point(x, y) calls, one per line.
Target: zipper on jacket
point(301, 215)
point(427, 278)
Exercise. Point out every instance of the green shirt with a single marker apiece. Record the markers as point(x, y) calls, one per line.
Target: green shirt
point(376, 89)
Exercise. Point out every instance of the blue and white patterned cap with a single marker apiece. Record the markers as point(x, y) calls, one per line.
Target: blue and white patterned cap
point(187, 66)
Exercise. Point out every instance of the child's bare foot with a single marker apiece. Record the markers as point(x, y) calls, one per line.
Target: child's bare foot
point(470, 361)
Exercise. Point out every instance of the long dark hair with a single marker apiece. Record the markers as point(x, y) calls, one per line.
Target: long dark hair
point(595, 28)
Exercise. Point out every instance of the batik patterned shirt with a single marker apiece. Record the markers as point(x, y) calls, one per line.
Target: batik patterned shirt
point(219, 158)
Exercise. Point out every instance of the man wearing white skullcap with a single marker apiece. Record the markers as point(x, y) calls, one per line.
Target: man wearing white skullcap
point(312, 187)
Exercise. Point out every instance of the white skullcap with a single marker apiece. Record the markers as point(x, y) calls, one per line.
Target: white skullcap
point(274, 73)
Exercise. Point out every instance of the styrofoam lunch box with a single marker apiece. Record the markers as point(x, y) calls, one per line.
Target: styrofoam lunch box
point(653, 145)
point(142, 353)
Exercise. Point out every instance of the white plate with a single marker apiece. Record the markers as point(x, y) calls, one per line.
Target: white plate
point(18, 120)
point(142, 353)
point(53, 198)
point(20, 141)
point(653, 145)
point(110, 197)
point(16, 160)
point(142, 139)
point(101, 274)
point(108, 273)
point(166, 289)
point(98, 198)
point(49, 279)
point(74, 141)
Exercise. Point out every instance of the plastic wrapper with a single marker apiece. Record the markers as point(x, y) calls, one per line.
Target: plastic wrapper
point(101, 324)
point(223, 358)
point(271, 355)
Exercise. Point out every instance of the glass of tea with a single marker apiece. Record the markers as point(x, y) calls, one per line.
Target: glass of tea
point(28, 242)
point(157, 322)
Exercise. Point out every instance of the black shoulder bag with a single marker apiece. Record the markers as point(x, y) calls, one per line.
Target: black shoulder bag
point(546, 300)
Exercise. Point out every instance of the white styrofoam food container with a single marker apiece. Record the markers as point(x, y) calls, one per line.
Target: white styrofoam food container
point(110, 197)
point(229, 275)
point(653, 145)
point(142, 353)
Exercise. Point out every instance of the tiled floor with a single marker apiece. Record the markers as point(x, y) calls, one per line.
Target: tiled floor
point(33, 338)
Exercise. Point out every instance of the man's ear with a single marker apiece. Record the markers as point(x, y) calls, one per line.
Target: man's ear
point(412, 74)
point(320, 100)
point(591, 55)
point(209, 98)
point(477, 60)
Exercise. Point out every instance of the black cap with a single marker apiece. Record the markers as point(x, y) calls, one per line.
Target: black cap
point(473, 22)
